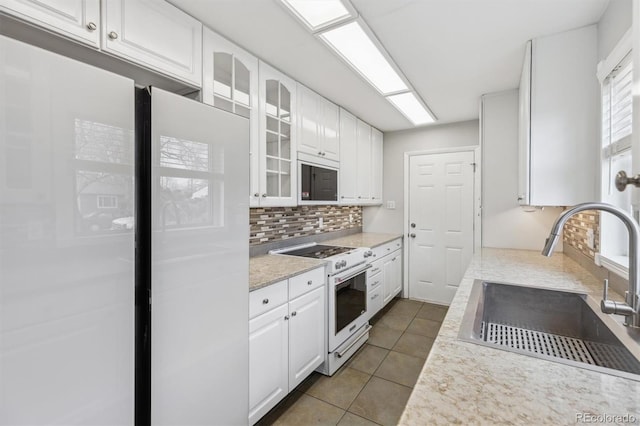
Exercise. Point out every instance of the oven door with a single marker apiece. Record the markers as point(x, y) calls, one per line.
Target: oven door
point(347, 305)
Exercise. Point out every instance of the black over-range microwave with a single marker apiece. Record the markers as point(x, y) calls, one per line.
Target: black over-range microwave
point(317, 184)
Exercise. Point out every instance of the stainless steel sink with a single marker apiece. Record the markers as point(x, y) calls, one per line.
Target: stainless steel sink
point(560, 326)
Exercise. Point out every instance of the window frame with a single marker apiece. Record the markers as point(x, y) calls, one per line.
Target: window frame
point(623, 49)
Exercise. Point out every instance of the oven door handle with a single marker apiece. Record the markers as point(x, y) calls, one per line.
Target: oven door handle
point(348, 277)
point(366, 330)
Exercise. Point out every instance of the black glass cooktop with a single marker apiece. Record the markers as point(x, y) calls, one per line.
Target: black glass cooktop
point(318, 251)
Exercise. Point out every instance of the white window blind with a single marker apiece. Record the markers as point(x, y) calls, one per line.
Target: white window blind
point(617, 102)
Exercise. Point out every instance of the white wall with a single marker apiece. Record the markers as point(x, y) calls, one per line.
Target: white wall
point(504, 223)
point(615, 21)
point(381, 219)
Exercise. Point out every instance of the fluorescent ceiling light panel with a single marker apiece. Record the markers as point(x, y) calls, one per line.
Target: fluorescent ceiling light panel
point(318, 13)
point(357, 48)
point(412, 108)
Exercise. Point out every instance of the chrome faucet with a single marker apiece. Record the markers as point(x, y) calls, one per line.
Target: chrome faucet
point(631, 307)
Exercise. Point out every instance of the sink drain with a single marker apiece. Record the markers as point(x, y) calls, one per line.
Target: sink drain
point(554, 345)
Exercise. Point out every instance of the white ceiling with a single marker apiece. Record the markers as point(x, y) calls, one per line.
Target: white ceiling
point(452, 51)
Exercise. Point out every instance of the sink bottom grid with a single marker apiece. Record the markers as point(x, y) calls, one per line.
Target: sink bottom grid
point(555, 345)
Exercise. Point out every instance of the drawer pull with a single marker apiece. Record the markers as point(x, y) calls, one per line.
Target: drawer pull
point(388, 248)
point(309, 282)
point(294, 313)
point(265, 301)
point(375, 296)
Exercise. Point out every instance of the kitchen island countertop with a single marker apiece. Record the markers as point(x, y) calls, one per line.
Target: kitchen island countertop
point(465, 383)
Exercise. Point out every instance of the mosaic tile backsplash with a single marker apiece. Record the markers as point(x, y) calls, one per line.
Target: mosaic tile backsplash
point(271, 224)
point(575, 232)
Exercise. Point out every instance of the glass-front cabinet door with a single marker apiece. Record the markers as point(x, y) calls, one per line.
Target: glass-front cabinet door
point(277, 162)
point(230, 82)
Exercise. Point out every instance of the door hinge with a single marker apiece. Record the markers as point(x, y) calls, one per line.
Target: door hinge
point(474, 167)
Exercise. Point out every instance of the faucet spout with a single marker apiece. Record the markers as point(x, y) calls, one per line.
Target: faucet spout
point(631, 309)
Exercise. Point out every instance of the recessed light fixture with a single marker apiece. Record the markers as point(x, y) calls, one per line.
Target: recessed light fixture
point(337, 24)
point(318, 14)
point(409, 105)
point(356, 47)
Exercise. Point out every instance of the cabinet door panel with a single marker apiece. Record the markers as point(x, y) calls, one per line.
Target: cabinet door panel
point(307, 334)
point(330, 134)
point(376, 165)
point(156, 35)
point(348, 158)
point(388, 277)
point(70, 18)
point(364, 162)
point(309, 121)
point(278, 138)
point(268, 361)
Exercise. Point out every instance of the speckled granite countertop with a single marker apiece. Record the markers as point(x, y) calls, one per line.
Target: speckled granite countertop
point(271, 268)
point(364, 239)
point(465, 383)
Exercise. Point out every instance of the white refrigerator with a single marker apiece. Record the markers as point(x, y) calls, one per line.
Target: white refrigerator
point(123, 250)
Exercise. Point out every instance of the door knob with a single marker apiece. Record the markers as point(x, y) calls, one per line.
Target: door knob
point(413, 225)
point(412, 235)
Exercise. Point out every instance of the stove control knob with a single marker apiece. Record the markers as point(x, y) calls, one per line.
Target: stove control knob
point(368, 253)
point(338, 265)
point(344, 263)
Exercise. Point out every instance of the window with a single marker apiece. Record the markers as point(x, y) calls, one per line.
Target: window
point(107, 202)
point(616, 76)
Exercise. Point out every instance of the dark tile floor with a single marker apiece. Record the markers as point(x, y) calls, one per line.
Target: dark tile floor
point(374, 386)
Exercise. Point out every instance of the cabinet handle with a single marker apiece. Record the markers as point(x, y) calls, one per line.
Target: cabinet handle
point(374, 270)
point(256, 194)
point(324, 153)
point(265, 301)
point(394, 259)
point(375, 295)
point(359, 197)
point(91, 26)
point(319, 152)
point(113, 35)
point(388, 249)
point(342, 196)
point(264, 195)
point(294, 313)
point(286, 317)
point(309, 282)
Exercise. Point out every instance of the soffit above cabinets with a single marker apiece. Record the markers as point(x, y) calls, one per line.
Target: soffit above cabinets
point(452, 51)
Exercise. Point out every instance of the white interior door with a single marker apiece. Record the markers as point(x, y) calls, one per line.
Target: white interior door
point(441, 223)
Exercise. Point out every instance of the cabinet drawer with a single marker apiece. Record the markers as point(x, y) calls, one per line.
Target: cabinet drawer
point(376, 268)
point(300, 284)
point(374, 281)
point(375, 301)
point(384, 249)
point(267, 298)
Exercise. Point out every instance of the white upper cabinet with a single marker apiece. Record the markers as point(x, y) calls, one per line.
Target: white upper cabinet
point(363, 164)
point(156, 35)
point(349, 156)
point(78, 20)
point(559, 135)
point(277, 140)
point(318, 126)
point(230, 82)
point(376, 165)
point(360, 161)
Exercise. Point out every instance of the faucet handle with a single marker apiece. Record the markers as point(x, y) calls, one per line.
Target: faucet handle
point(610, 307)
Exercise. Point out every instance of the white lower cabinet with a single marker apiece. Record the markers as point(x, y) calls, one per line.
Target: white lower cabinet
point(392, 271)
point(306, 335)
point(268, 361)
point(287, 342)
point(384, 278)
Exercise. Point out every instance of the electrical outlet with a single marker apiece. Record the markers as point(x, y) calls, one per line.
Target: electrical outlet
point(391, 205)
point(590, 239)
point(320, 222)
point(350, 218)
